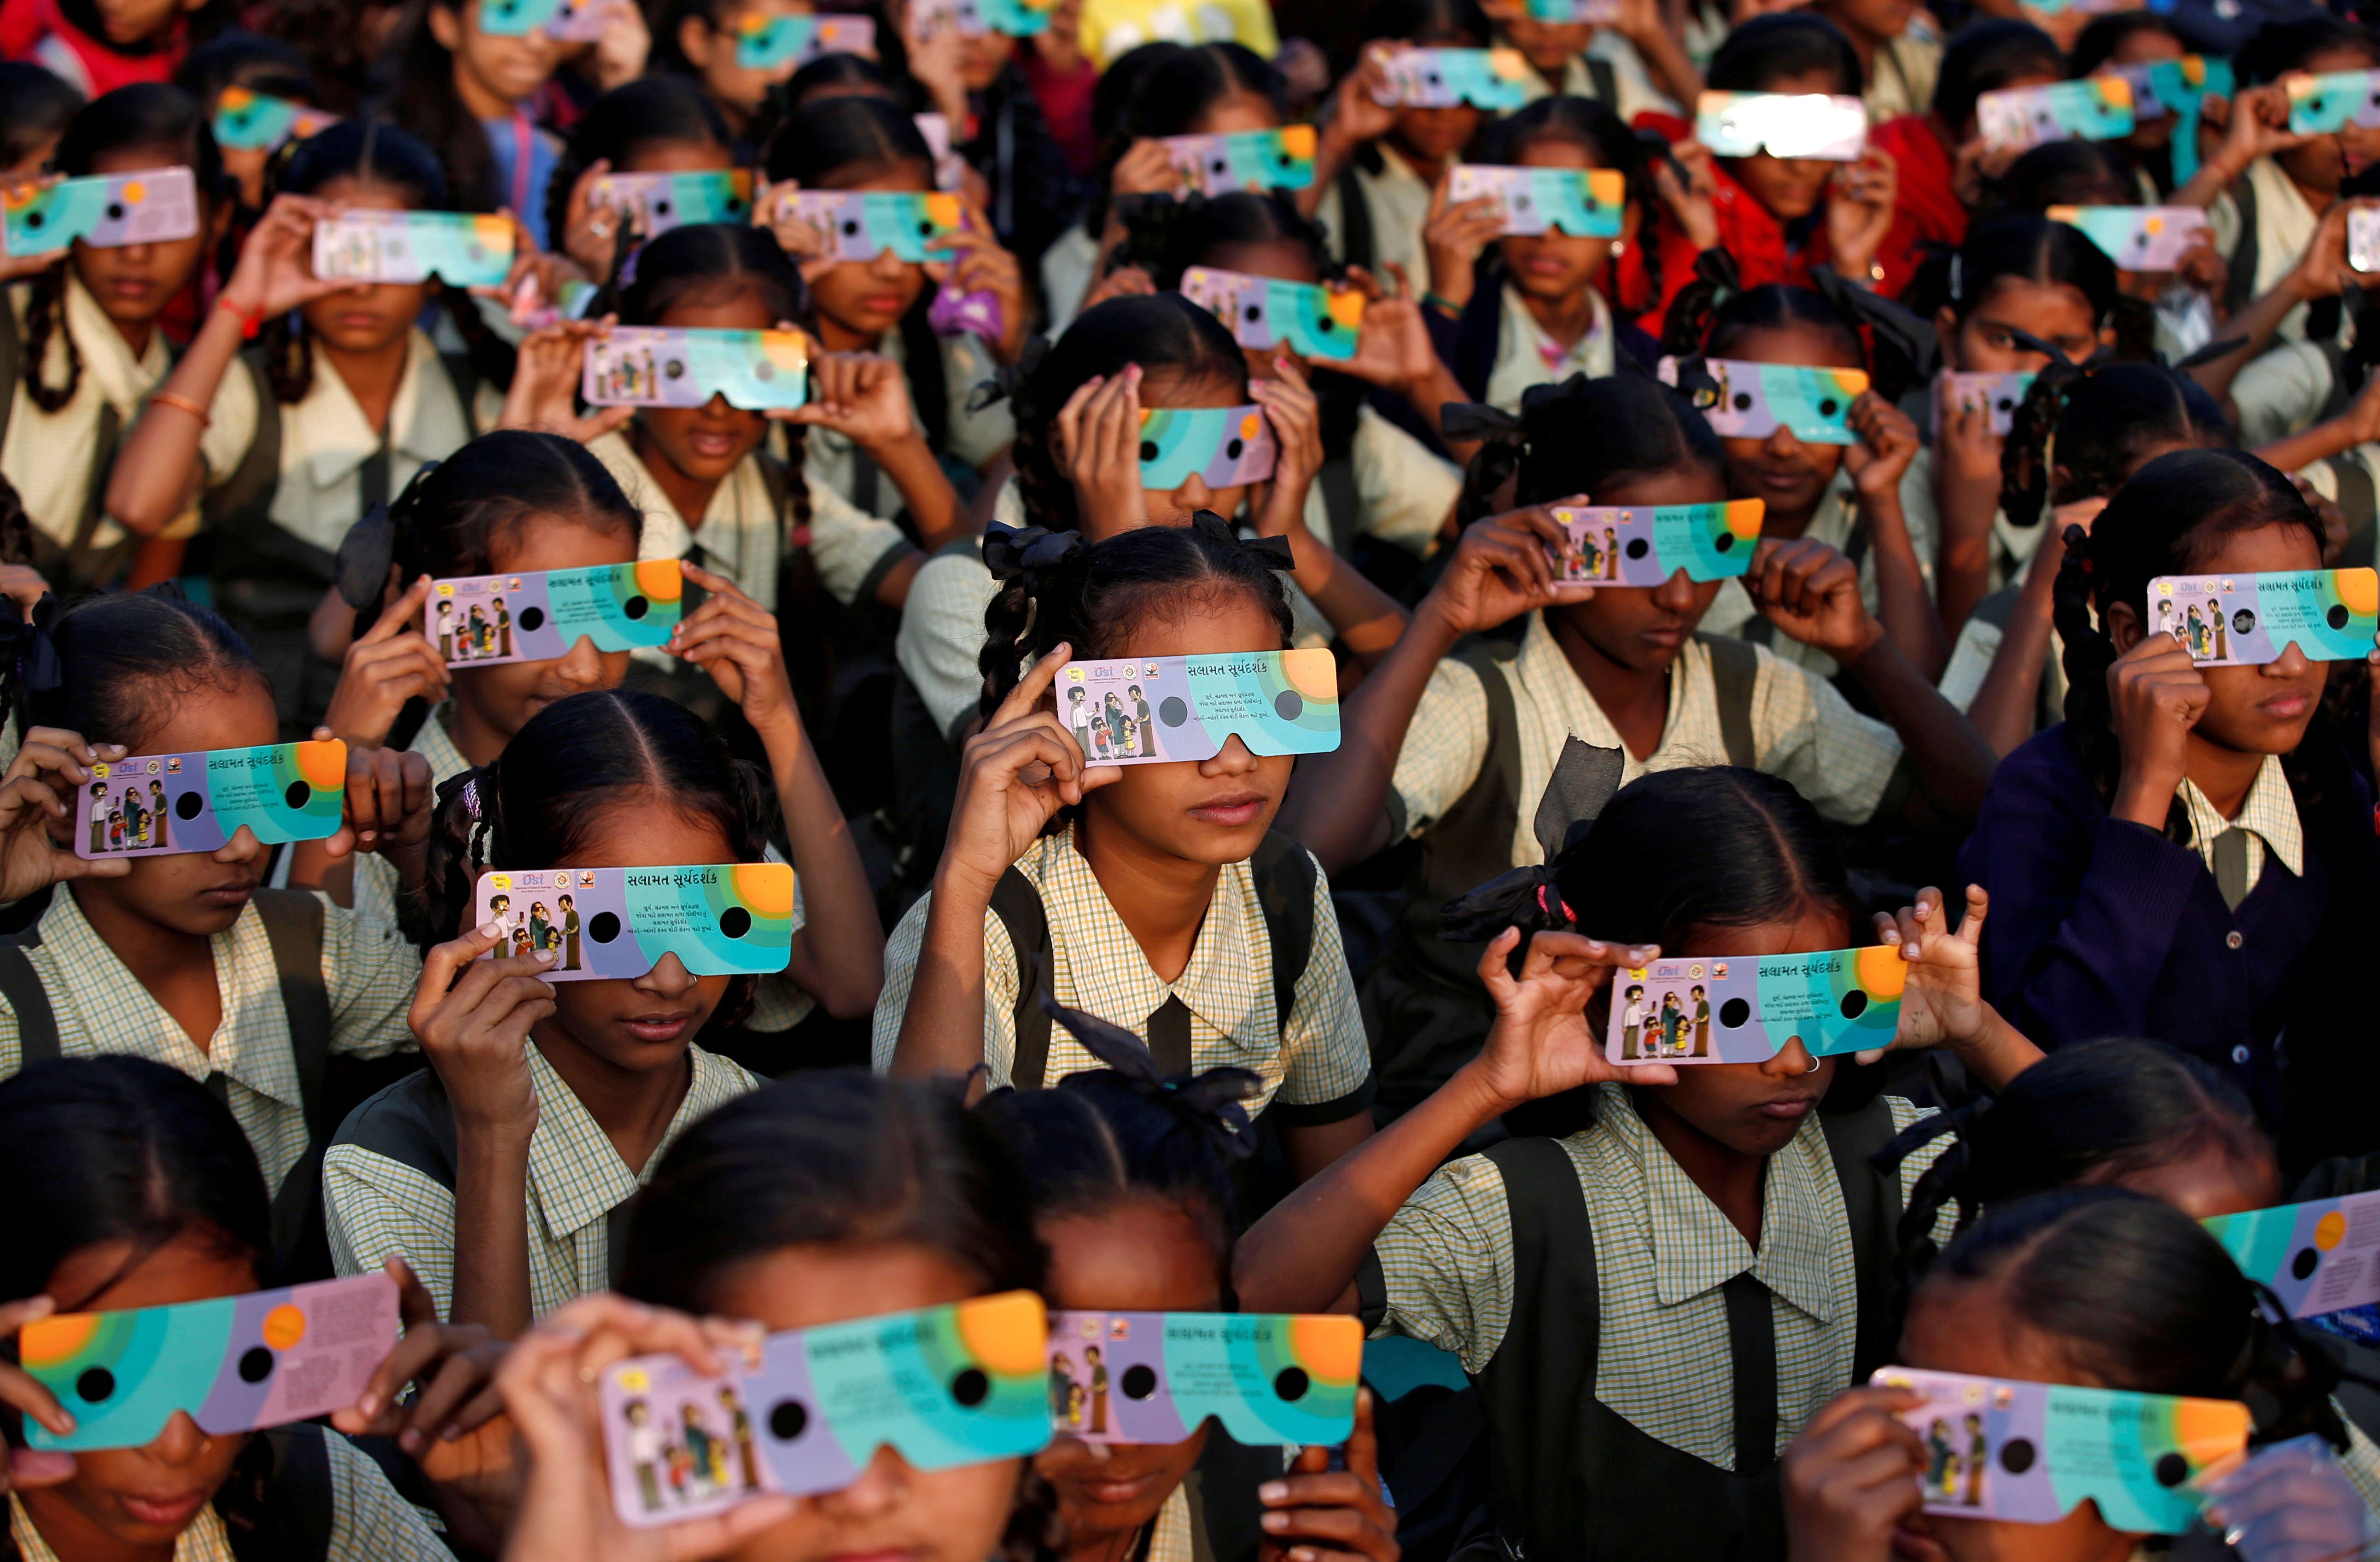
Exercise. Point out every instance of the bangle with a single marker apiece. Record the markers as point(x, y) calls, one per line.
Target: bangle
point(248, 323)
point(182, 404)
point(1444, 305)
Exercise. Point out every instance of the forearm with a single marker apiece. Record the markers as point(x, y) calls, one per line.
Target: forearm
point(491, 1228)
point(1910, 621)
point(1962, 563)
point(1666, 58)
point(2004, 708)
point(1953, 764)
point(839, 953)
point(933, 503)
point(1304, 1255)
point(2257, 324)
point(2215, 175)
point(1997, 1053)
point(152, 478)
point(2318, 444)
point(942, 1030)
point(1367, 618)
point(1336, 805)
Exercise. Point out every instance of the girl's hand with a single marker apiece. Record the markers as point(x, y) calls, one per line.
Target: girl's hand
point(800, 239)
point(620, 51)
point(1014, 777)
point(590, 235)
point(2202, 267)
point(2289, 1502)
point(1296, 416)
point(1812, 592)
point(16, 268)
point(1454, 235)
point(41, 785)
point(861, 396)
point(2322, 271)
point(1850, 1477)
point(550, 1385)
point(1860, 213)
point(472, 1017)
point(1501, 570)
point(1888, 443)
point(1357, 112)
point(1144, 169)
point(1942, 1000)
point(2156, 694)
point(453, 1365)
point(1978, 166)
point(735, 640)
point(1099, 435)
point(1319, 1514)
point(2255, 122)
point(978, 264)
point(1694, 200)
point(936, 64)
point(1393, 349)
point(274, 273)
point(394, 662)
point(544, 392)
point(23, 584)
point(389, 796)
point(1541, 1044)
point(23, 1469)
point(1968, 451)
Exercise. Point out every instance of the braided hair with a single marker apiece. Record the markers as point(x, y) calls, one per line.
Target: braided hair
point(2171, 517)
point(2095, 423)
point(1584, 436)
point(126, 658)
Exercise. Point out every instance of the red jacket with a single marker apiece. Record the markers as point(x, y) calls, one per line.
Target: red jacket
point(1926, 213)
point(1746, 230)
point(36, 30)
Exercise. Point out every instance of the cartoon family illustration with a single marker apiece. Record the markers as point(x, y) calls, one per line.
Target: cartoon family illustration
point(2206, 635)
point(1582, 557)
point(625, 376)
point(1677, 1028)
point(534, 929)
point(1075, 1406)
point(1950, 1476)
point(484, 634)
point(1107, 731)
point(689, 1462)
point(129, 820)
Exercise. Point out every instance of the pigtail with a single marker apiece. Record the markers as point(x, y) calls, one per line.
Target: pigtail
point(288, 357)
point(1047, 495)
point(2030, 449)
point(2286, 1380)
point(1695, 309)
point(45, 315)
point(1027, 564)
point(1157, 229)
point(2090, 723)
point(1503, 441)
point(1035, 1533)
point(492, 360)
point(457, 849)
point(928, 385)
point(243, 1499)
point(16, 526)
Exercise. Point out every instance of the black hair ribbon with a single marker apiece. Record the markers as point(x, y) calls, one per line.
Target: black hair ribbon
point(25, 642)
point(1212, 1099)
point(1582, 785)
point(1010, 378)
point(1275, 552)
point(1893, 324)
point(1466, 420)
point(1010, 550)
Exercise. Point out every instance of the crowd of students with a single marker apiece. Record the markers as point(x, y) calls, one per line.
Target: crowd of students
point(1263, 1032)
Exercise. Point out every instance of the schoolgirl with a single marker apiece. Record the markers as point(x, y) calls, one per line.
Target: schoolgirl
point(434, 1168)
point(1449, 744)
point(2135, 39)
point(39, 108)
point(96, 51)
point(1846, 496)
point(1130, 1175)
point(660, 123)
point(1538, 311)
point(842, 1197)
point(2095, 1286)
point(885, 305)
point(184, 957)
point(1389, 159)
point(2174, 857)
point(1652, 1303)
point(1633, 65)
point(83, 344)
point(470, 94)
point(136, 1189)
point(243, 59)
point(1158, 894)
point(342, 399)
point(699, 38)
point(1778, 217)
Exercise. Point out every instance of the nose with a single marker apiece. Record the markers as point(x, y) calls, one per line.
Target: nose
point(181, 1442)
point(2290, 663)
point(882, 1487)
point(670, 978)
point(1233, 759)
point(1790, 1060)
point(886, 267)
point(243, 847)
point(1780, 442)
point(1191, 496)
point(581, 666)
point(1677, 593)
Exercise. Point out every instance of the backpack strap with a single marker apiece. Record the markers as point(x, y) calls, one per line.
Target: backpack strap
point(464, 376)
point(2358, 502)
point(1872, 1207)
point(12, 361)
point(1018, 905)
point(1343, 503)
point(292, 925)
point(299, 1508)
point(1735, 673)
point(2239, 282)
point(1604, 80)
point(1283, 873)
point(1356, 244)
point(21, 986)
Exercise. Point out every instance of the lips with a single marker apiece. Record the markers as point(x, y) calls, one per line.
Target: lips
point(657, 1029)
point(165, 1512)
point(711, 445)
point(233, 894)
point(1231, 810)
point(1788, 1109)
point(2286, 708)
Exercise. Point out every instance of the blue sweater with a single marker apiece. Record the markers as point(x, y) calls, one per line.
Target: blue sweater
point(2102, 927)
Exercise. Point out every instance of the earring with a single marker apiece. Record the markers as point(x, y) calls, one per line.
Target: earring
point(1619, 248)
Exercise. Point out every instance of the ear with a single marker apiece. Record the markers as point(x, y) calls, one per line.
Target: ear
point(447, 26)
point(693, 39)
point(1946, 335)
point(2125, 629)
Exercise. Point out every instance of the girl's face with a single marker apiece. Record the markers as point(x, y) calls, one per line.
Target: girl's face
point(2146, 45)
point(131, 1501)
point(1642, 628)
point(982, 58)
point(2328, 162)
point(1548, 47)
point(1165, 507)
point(706, 443)
point(1275, 258)
point(641, 1025)
point(2058, 312)
point(1430, 136)
point(1553, 266)
point(1970, 128)
point(1233, 113)
point(1139, 1255)
point(370, 316)
point(736, 89)
point(2250, 710)
point(868, 298)
point(133, 283)
point(1790, 476)
point(125, 23)
point(892, 1510)
point(1211, 811)
point(1968, 1327)
point(502, 698)
point(197, 893)
point(490, 66)
point(1791, 187)
point(1875, 19)
point(1752, 1108)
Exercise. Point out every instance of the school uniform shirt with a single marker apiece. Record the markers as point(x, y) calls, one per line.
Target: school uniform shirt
point(2012, 545)
point(1906, 69)
point(1836, 523)
point(52, 457)
point(368, 971)
point(1764, 251)
point(370, 1523)
point(378, 1207)
point(975, 437)
point(740, 534)
point(1927, 214)
point(1802, 730)
point(1067, 271)
point(1317, 1069)
point(1662, 1253)
point(1397, 201)
point(2269, 816)
point(1632, 90)
point(2285, 226)
point(1526, 356)
point(525, 159)
point(2282, 391)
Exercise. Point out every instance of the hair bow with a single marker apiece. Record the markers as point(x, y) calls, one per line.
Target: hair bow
point(1717, 267)
point(1010, 378)
point(2057, 356)
point(1914, 339)
point(1275, 550)
point(364, 554)
point(1462, 420)
point(1695, 382)
point(1577, 794)
point(1010, 550)
point(26, 645)
point(1210, 1099)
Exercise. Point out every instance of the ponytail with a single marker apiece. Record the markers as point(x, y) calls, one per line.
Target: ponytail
point(1581, 436)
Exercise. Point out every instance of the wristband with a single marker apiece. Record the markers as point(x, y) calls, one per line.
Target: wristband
point(248, 323)
point(1444, 305)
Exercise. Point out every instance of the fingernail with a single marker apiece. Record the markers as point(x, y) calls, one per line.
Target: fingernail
point(544, 956)
point(409, 1440)
point(369, 1406)
point(489, 929)
point(1273, 1491)
point(1276, 1520)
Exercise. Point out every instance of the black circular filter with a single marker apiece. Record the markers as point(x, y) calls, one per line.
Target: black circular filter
point(2336, 616)
point(35, 218)
point(1256, 313)
point(255, 1364)
point(604, 926)
point(1139, 1380)
point(1733, 1014)
point(533, 616)
point(298, 793)
point(2305, 1262)
point(116, 210)
point(1290, 1384)
point(971, 1388)
point(1854, 1004)
point(2171, 1471)
point(1723, 543)
point(1827, 409)
point(660, 208)
point(674, 368)
point(1289, 704)
point(1637, 547)
point(1743, 401)
point(632, 609)
point(787, 1420)
point(734, 922)
point(95, 1387)
point(1234, 449)
point(764, 372)
point(1172, 711)
point(187, 805)
point(2017, 1455)
point(1148, 450)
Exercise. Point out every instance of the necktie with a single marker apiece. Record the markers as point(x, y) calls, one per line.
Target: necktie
point(2231, 866)
point(1169, 1037)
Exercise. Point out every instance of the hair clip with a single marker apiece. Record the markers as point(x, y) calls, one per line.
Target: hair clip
point(471, 797)
point(1010, 550)
point(1957, 278)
